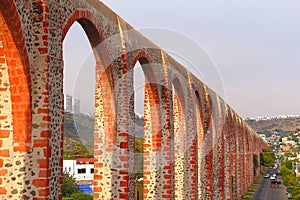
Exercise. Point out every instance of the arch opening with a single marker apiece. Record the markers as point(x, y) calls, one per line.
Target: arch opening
point(139, 96)
point(147, 122)
point(179, 120)
point(92, 116)
point(79, 91)
point(199, 143)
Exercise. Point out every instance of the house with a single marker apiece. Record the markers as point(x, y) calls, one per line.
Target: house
point(82, 169)
point(285, 148)
point(284, 139)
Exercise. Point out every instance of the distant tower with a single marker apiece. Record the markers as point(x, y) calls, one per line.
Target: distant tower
point(76, 106)
point(68, 103)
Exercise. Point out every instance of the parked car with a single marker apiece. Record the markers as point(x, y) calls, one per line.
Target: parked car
point(266, 175)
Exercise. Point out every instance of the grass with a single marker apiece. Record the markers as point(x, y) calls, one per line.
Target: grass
point(252, 189)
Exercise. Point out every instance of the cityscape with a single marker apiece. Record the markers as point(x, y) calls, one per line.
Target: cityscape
point(72, 105)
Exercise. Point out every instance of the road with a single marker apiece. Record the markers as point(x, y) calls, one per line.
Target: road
point(266, 192)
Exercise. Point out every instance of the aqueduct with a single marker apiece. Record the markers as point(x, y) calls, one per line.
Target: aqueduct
point(195, 145)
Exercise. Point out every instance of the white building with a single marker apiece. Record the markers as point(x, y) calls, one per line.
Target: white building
point(76, 106)
point(263, 136)
point(82, 169)
point(69, 101)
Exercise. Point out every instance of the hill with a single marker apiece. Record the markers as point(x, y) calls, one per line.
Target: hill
point(79, 130)
point(280, 125)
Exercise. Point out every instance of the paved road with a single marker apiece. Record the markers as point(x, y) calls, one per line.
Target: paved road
point(266, 192)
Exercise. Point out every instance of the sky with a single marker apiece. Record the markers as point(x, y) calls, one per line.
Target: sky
point(254, 47)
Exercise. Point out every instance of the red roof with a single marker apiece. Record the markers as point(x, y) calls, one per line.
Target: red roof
point(85, 160)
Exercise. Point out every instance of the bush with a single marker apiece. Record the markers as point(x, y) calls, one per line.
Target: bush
point(290, 180)
point(267, 157)
point(81, 196)
point(69, 185)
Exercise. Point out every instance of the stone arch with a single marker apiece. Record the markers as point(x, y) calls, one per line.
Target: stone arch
point(15, 57)
point(219, 151)
point(152, 94)
point(104, 111)
point(89, 23)
point(152, 142)
point(200, 118)
point(234, 131)
point(15, 99)
point(208, 125)
point(228, 154)
point(179, 121)
point(199, 141)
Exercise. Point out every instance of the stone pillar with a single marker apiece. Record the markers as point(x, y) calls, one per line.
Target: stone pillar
point(227, 156)
point(179, 133)
point(191, 139)
point(167, 140)
point(47, 104)
point(216, 134)
point(199, 140)
point(104, 132)
point(221, 146)
point(235, 157)
point(243, 160)
point(158, 130)
point(238, 158)
point(207, 180)
point(153, 163)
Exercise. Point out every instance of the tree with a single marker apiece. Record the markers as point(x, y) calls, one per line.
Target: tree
point(69, 185)
point(289, 179)
point(268, 157)
point(139, 159)
point(255, 164)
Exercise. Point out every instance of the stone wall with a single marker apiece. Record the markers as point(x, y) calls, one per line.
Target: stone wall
point(195, 145)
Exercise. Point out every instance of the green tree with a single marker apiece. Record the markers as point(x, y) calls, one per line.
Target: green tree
point(255, 164)
point(139, 147)
point(69, 185)
point(289, 180)
point(139, 159)
point(267, 157)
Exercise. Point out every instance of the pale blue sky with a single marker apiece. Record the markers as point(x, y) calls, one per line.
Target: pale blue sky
point(255, 45)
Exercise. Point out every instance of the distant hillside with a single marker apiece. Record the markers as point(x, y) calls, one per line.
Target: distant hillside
point(281, 126)
point(80, 129)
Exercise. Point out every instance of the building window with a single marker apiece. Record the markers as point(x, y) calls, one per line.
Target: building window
point(81, 171)
point(92, 170)
point(69, 169)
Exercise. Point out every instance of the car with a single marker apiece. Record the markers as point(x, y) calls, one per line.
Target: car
point(266, 175)
point(289, 196)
